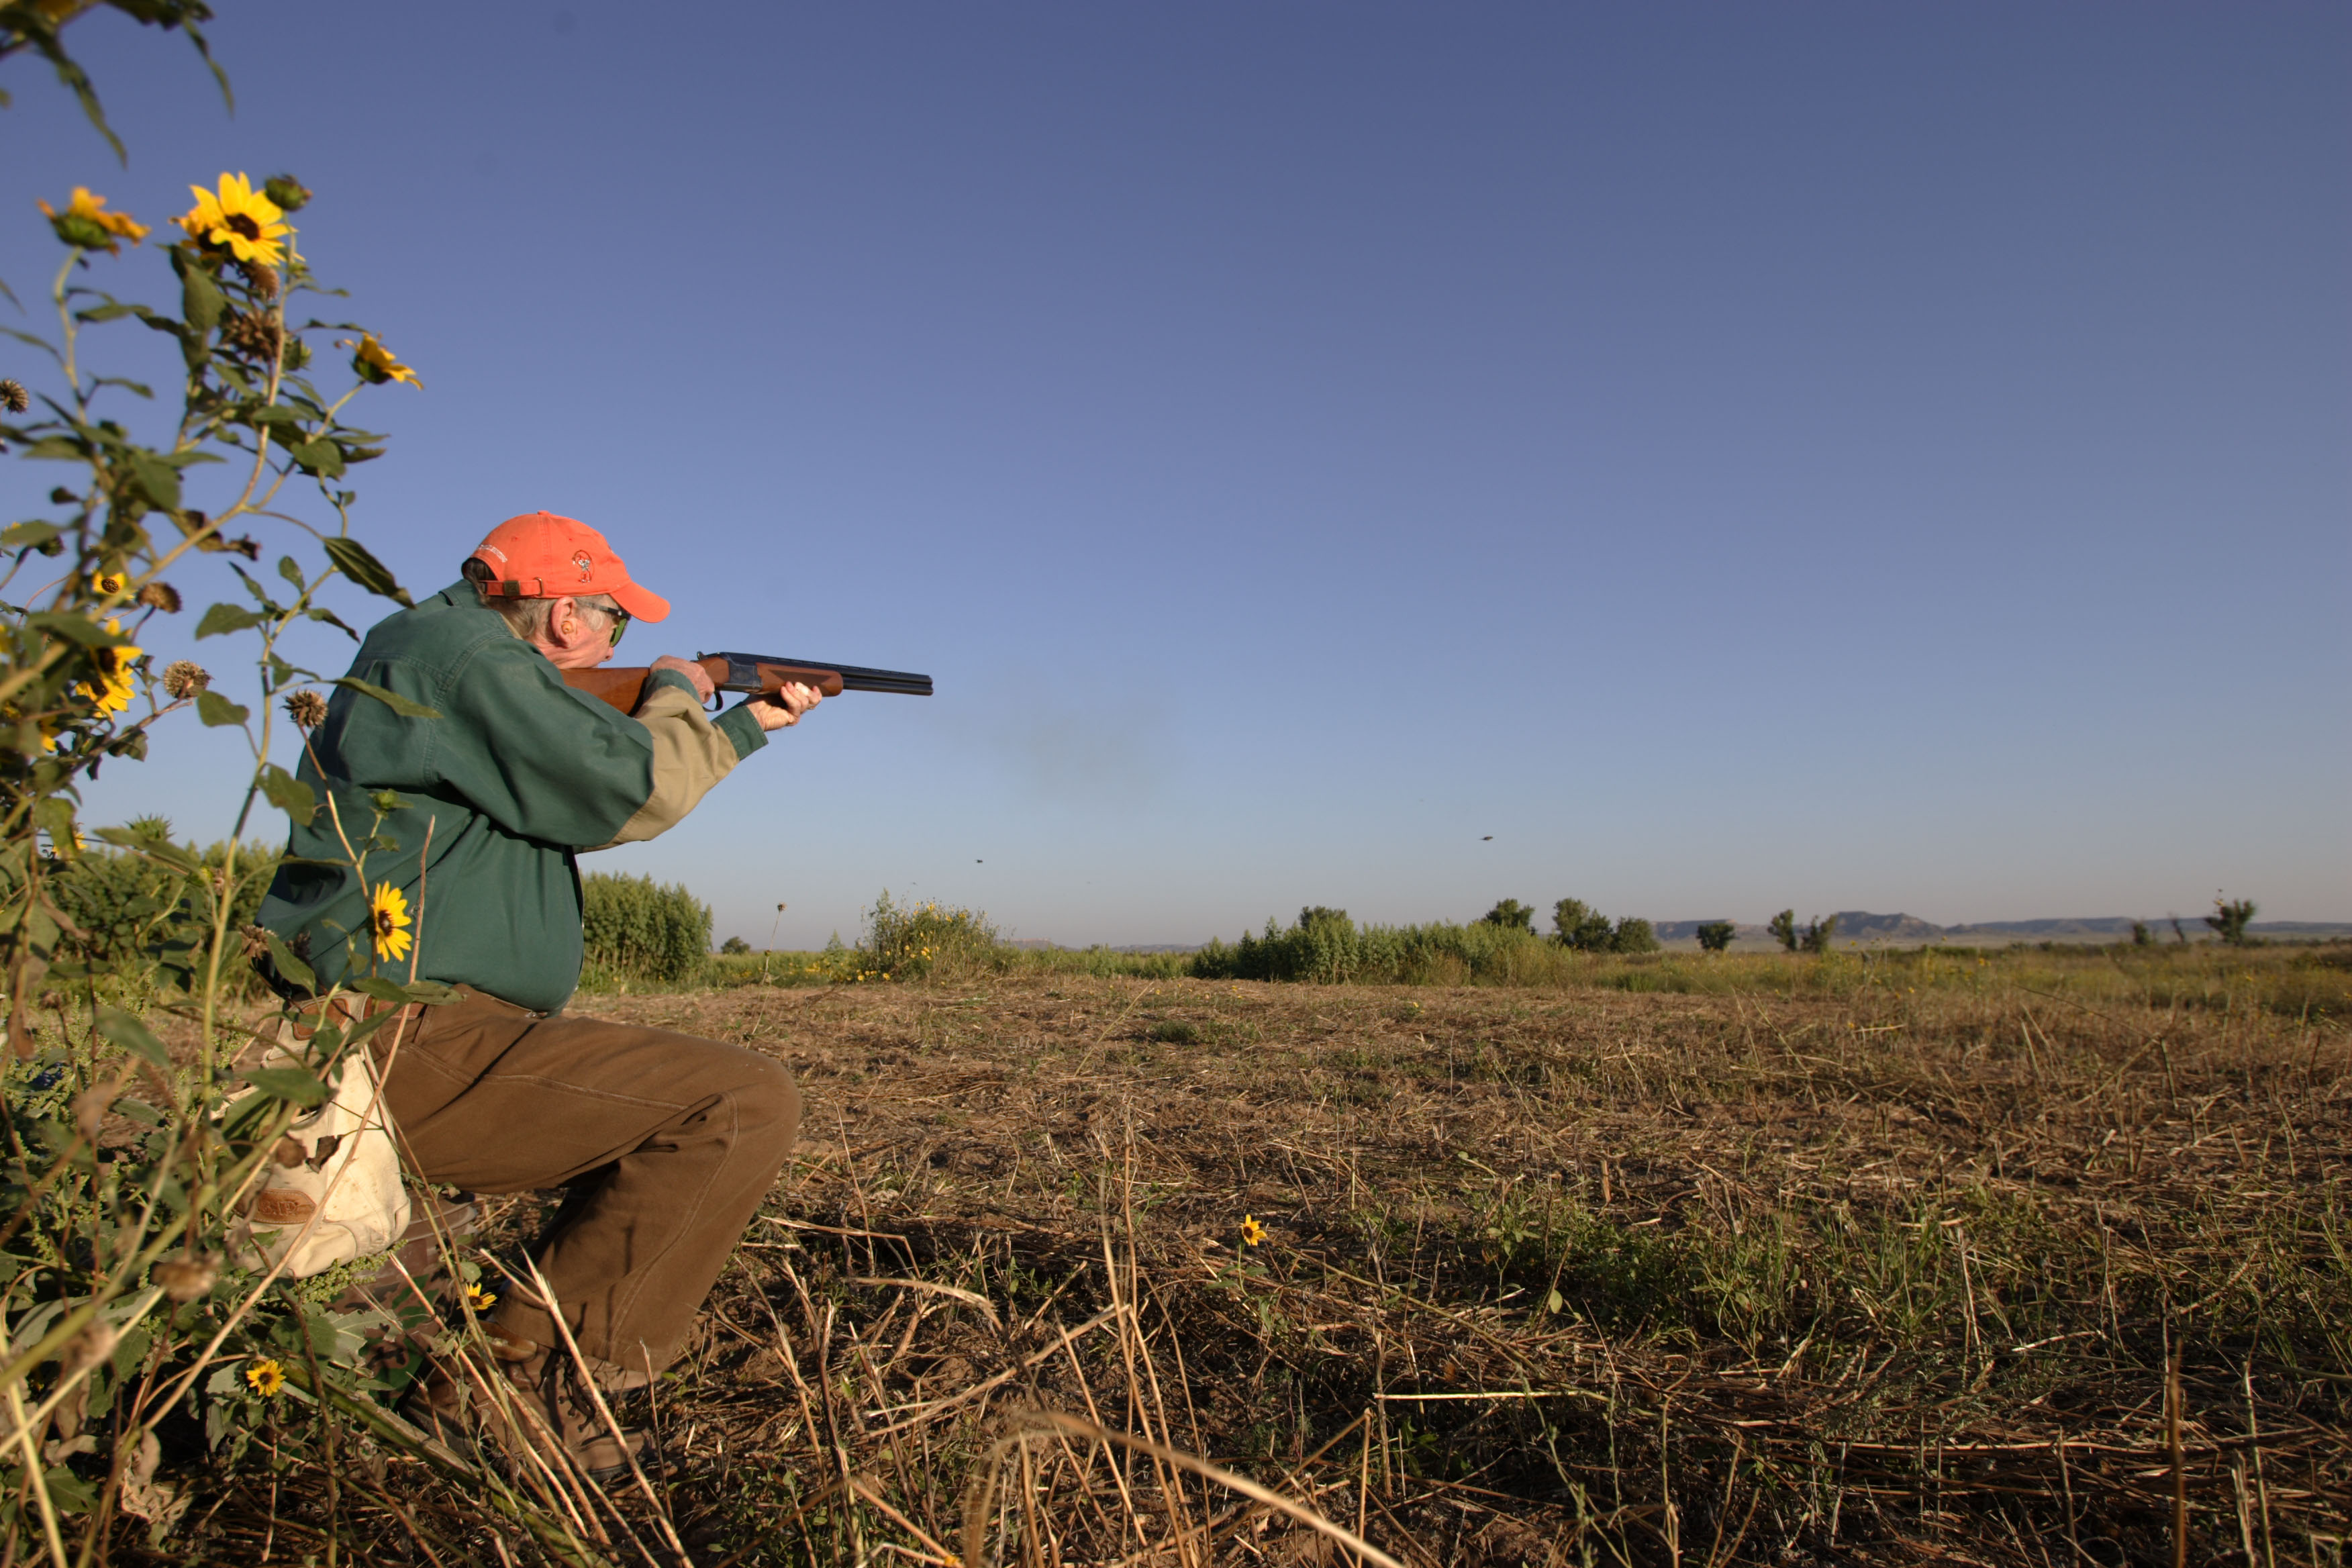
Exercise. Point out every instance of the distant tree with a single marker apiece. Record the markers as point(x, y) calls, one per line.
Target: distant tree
point(1633, 934)
point(2229, 920)
point(1575, 923)
point(1819, 932)
point(1716, 935)
point(2177, 934)
point(1317, 915)
point(735, 946)
point(1511, 915)
point(1784, 926)
point(2140, 934)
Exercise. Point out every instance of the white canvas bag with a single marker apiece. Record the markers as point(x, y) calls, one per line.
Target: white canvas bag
point(337, 1162)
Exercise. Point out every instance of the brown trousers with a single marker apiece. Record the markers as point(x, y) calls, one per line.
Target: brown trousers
point(666, 1142)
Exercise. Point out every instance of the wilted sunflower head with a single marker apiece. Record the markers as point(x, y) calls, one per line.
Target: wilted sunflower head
point(185, 1279)
point(161, 597)
point(307, 708)
point(183, 679)
point(13, 395)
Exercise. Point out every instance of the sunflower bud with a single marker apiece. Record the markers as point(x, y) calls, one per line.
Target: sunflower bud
point(185, 1280)
point(13, 395)
point(262, 276)
point(307, 708)
point(256, 941)
point(64, 497)
point(183, 679)
point(288, 192)
point(80, 232)
point(161, 597)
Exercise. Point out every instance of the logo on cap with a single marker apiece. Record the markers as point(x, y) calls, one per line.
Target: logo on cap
point(587, 567)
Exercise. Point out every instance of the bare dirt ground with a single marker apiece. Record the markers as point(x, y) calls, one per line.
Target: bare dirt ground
point(1967, 1273)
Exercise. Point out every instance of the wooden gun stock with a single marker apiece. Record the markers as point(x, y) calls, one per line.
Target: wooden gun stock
point(750, 674)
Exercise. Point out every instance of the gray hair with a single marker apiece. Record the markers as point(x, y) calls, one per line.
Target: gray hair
point(527, 618)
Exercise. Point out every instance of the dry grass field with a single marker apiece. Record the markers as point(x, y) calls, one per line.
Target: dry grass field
point(2025, 1260)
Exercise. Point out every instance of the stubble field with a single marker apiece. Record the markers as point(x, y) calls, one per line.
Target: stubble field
point(1993, 1260)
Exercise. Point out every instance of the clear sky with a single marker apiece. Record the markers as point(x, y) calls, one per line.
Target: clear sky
point(1736, 455)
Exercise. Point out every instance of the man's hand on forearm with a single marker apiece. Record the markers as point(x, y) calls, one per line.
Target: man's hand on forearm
point(782, 709)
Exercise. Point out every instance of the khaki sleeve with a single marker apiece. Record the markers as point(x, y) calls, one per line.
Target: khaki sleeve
point(691, 755)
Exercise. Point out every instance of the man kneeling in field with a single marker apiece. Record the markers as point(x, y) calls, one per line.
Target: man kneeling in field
point(666, 1144)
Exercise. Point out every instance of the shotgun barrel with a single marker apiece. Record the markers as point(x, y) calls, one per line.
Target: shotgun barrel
point(743, 674)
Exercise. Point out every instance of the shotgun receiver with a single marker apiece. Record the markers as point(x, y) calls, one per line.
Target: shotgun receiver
point(751, 673)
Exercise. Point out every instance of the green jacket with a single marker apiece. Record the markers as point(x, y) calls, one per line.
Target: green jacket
point(495, 799)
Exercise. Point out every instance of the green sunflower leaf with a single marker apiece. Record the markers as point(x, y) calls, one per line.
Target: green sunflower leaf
point(223, 618)
point(354, 561)
point(288, 794)
point(392, 699)
point(216, 711)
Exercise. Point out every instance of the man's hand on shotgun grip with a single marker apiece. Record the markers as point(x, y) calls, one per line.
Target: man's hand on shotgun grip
point(692, 671)
point(782, 709)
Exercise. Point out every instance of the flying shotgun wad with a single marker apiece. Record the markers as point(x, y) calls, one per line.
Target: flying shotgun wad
point(753, 674)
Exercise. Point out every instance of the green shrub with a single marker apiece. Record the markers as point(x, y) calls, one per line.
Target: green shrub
point(1325, 947)
point(135, 918)
point(2229, 920)
point(1715, 936)
point(1633, 934)
point(911, 941)
point(1819, 933)
point(636, 930)
point(1576, 924)
point(1784, 927)
point(735, 947)
point(1511, 915)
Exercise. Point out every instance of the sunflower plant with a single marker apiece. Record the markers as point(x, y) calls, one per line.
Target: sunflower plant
point(127, 1161)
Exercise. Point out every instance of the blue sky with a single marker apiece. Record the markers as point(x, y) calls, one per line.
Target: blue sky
point(1836, 455)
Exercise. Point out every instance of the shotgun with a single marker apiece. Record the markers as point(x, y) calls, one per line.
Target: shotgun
point(751, 673)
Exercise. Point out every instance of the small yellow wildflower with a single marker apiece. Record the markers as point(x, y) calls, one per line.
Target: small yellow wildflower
point(267, 1378)
point(91, 210)
point(1253, 1233)
point(110, 692)
point(374, 364)
point(106, 585)
point(479, 1300)
point(388, 921)
point(239, 218)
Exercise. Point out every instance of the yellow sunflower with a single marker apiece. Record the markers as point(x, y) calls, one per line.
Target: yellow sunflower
point(239, 218)
point(112, 690)
point(479, 1300)
point(374, 364)
point(1253, 1233)
point(106, 585)
point(91, 209)
point(267, 1378)
point(388, 921)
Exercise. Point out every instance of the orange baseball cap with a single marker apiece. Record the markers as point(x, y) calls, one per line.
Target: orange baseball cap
point(540, 555)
